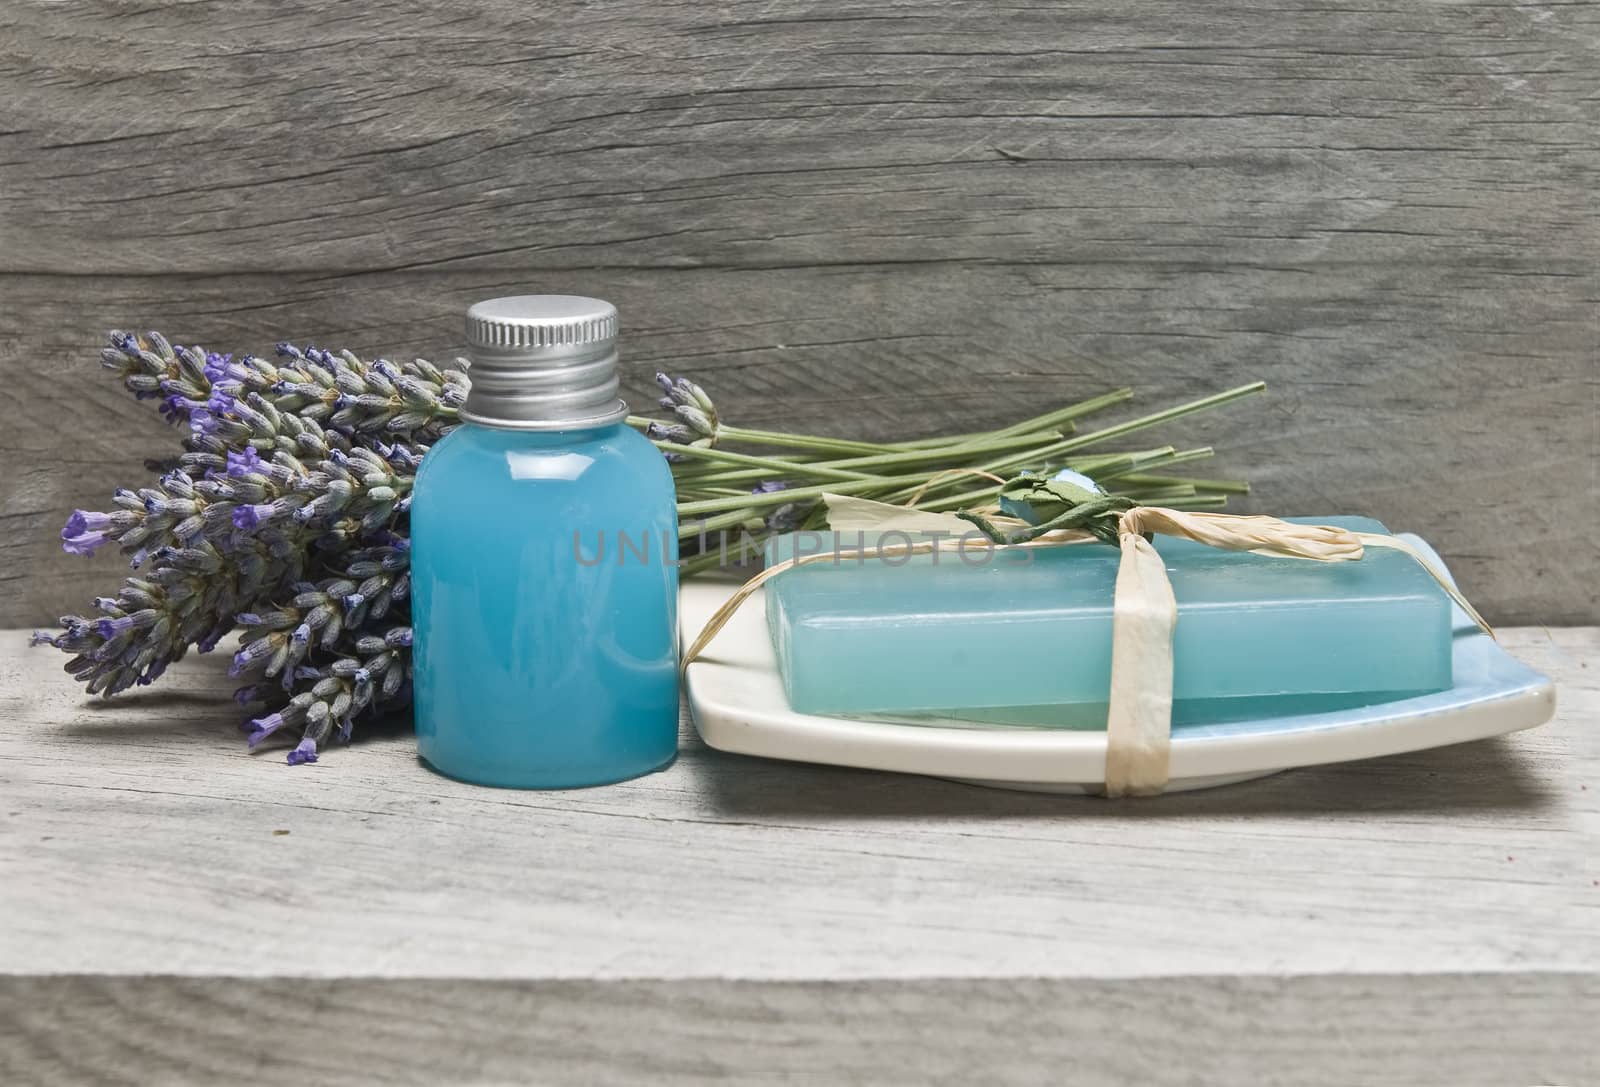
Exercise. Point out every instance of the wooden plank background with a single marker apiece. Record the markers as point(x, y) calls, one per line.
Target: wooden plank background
point(879, 219)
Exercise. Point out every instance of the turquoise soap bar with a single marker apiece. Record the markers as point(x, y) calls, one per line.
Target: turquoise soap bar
point(1031, 629)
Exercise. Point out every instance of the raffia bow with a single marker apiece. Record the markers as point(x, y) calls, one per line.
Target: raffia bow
point(1144, 610)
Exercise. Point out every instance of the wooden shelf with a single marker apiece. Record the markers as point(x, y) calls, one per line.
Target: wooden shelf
point(176, 909)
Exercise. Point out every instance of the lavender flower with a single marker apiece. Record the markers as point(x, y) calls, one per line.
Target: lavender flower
point(285, 515)
point(252, 516)
point(244, 462)
point(82, 543)
point(264, 726)
point(691, 405)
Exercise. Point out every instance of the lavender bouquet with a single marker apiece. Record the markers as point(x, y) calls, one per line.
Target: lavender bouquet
point(285, 515)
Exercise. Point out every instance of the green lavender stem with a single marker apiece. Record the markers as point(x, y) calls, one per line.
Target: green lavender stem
point(1160, 459)
point(1215, 486)
point(811, 442)
point(785, 440)
point(1003, 465)
point(1144, 422)
point(1106, 468)
point(855, 467)
point(1060, 418)
point(796, 494)
point(766, 465)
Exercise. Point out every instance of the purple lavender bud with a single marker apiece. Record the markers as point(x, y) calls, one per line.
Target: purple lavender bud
point(302, 634)
point(218, 366)
point(84, 543)
point(699, 396)
point(305, 751)
point(353, 601)
point(769, 486)
point(83, 521)
point(179, 483)
point(250, 516)
point(173, 409)
point(43, 637)
point(659, 432)
point(110, 628)
point(248, 655)
point(698, 420)
point(262, 727)
point(243, 462)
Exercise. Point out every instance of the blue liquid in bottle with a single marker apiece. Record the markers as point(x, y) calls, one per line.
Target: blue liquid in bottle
point(545, 592)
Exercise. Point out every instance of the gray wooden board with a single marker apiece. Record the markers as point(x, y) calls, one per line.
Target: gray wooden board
point(1494, 465)
point(1462, 1030)
point(876, 220)
point(1435, 910)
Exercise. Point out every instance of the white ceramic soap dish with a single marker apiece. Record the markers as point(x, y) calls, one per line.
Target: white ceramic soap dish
point(738, 703)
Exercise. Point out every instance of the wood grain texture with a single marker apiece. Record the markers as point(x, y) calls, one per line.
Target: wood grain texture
point(1464, 1030)
point(875, 219)
point(177, 910)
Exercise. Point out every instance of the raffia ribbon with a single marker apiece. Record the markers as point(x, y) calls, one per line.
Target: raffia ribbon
point(1144, 610)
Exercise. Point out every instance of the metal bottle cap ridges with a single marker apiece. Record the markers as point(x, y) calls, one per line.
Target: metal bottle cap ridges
point(543, 362)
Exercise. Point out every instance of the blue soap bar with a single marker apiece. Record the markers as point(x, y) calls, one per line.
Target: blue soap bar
point(1032, 629)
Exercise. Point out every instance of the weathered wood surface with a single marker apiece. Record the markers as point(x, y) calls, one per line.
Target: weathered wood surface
point(877, 219)
point(1471, 1030)
point(1425, 918)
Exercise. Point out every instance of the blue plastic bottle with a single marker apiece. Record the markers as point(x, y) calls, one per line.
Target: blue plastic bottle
point(544, 543)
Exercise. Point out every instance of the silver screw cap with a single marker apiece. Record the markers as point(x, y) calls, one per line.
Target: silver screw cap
point(543, 362)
